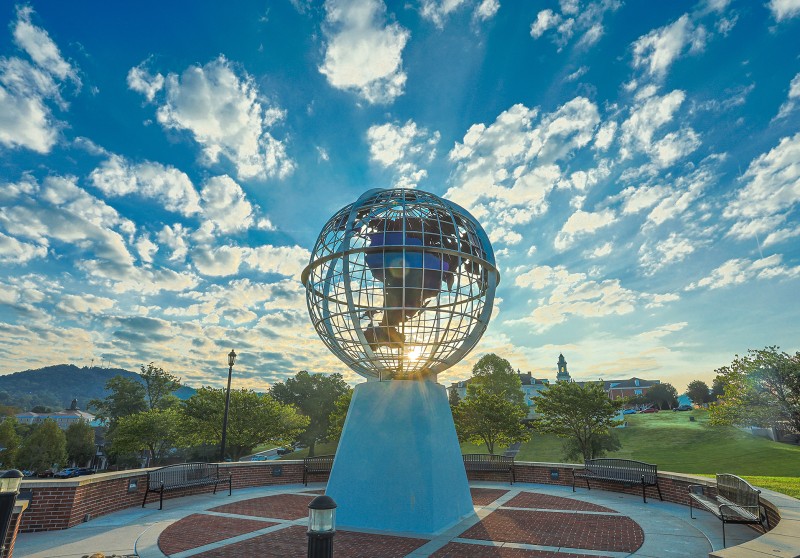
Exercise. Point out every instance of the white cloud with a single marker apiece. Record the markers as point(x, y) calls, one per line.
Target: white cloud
point(174, 238)
point(12, 251)
point(793, 98)
point(226, 116)
point(63, 217)
point(171, 187)
point(437, 11)
point(224, 261)
point(36, 42)
point(576, 18)
point(403, 148)
point(739, 271)
point(363, 53)
point(84, 304)
point(25, 120)
point(784, 9)
point(142, 81)
point(771, 190)
point(574, 294)
point(506, 171)
point(656, 51)
point(646, 118)
point(582, 223)
point(673, 249)
point(224, 204)
point(601, 251)
point(146, 248)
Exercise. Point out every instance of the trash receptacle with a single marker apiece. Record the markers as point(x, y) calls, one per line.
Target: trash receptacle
point(9, 488)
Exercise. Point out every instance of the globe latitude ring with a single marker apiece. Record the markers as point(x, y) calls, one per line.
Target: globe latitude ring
point(401, 284)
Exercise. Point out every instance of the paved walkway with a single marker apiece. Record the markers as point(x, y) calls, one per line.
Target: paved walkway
point(523, 521)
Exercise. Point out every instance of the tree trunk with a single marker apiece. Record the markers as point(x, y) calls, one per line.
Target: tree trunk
point(311, 445)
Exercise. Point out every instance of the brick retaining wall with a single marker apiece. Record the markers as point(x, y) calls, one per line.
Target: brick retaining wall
point(60, 504)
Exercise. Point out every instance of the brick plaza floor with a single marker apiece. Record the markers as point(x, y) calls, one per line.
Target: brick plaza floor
point(509, 523)
point(519, 521)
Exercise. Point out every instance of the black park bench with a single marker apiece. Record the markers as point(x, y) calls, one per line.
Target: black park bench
point(318, 465)
point(624, 471)
point(493, 463)
point(183, 475)
point(736, 502)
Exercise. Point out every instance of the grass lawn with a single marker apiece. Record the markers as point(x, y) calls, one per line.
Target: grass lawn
point(676, 444)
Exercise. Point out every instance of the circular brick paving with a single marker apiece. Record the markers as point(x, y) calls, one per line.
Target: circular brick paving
point(528, 525)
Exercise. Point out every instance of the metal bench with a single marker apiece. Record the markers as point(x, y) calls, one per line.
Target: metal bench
point(736, 502)
point(183, 475)
point(318, 465)
point(494, 463)
point(625, 471)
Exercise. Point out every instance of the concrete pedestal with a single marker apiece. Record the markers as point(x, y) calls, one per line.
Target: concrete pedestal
point(399, 466)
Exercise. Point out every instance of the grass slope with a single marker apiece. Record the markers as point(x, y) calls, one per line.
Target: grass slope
point(676, 444)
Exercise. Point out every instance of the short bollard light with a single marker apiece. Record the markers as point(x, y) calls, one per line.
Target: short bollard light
point(9, 488)
point(321, 527)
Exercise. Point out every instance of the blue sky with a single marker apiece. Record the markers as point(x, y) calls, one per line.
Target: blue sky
point(164, 173)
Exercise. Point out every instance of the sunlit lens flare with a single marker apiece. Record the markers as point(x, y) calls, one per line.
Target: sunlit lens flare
point(414, 353)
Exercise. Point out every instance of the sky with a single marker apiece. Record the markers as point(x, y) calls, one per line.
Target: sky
point(165, 171)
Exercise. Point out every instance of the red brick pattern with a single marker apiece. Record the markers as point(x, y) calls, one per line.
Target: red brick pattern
point(293, 541)
point(572, 530)
point(485, 496)
point(279, 506)
point(197, 530)
point(547, 502)
point(465, 550)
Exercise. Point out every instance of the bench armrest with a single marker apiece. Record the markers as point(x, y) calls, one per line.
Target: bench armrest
point(697, 489)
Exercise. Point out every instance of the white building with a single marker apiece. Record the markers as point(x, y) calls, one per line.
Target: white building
point(62, 418)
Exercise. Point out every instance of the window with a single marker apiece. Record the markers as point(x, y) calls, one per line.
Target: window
point(637, 392)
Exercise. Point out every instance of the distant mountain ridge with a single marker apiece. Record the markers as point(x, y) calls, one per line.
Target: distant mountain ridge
point(56, 386)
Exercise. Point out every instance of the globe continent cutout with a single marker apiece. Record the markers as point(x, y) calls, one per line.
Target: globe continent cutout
point(400, 284)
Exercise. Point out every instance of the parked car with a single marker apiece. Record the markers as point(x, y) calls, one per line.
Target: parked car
point(649, 410)
point(629, 412)
point(67, 473)
point(683, 408)
point(284, 451)
point(47, 473)
point(86, 471)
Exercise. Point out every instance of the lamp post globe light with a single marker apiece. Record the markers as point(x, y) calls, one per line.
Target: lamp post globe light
point(231, 362)
point(321, 527)
point(400, 286)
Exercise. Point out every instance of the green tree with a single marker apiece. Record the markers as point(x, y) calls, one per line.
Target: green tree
point(452, 397)
point(252, 419)
point(155, 430)
point(582, 414)
point(315, 396)
point(158, 386)
point(9, 441)
point(496, 375)
point(663, 395)
point(698, 392)
point(717, 389)
point(338, 416)
point(45, 447)
point(126, 398)
point(489, 418)
point(80, 442)
point(761, 388)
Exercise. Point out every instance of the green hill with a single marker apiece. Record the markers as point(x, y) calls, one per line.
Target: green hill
point(56, 386)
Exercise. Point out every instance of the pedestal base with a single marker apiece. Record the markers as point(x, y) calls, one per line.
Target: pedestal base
point(399, 466)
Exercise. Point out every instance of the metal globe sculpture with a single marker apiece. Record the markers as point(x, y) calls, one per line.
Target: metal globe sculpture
point(400, 284)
